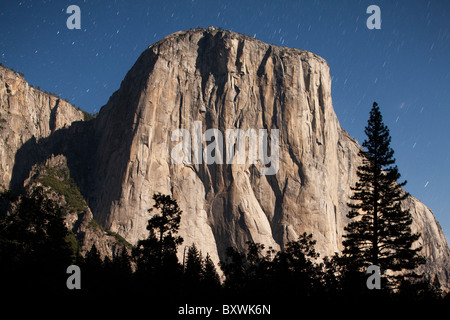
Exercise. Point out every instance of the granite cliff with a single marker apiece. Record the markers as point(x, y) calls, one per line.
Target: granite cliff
point(218, 80)
point(27, 114)
point(31, 121)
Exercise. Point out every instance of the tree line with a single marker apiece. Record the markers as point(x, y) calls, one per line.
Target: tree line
point(36, 249)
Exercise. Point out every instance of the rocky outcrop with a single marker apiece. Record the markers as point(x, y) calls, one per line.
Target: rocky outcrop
point(211, 79)
point(29, 117)
point(27, 114)
point(223, 80)
point(434, 244)
point(53, 176)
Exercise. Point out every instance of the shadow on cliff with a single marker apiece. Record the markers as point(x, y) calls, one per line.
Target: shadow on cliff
point(212, 58)
point(76, 143)
point(90, 159)
point(98, 150)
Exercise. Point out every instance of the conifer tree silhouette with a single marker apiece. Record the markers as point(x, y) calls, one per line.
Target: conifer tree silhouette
point(155, 256)
point(379, 232)
point(210, 277)
point(193, 271)
point(34, 245)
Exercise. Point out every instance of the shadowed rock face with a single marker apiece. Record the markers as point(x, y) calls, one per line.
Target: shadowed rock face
point(221, 80)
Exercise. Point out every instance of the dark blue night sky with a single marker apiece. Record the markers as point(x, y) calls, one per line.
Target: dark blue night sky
point(404, 66)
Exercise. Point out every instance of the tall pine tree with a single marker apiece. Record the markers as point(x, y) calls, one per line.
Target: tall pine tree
point(379, 232)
